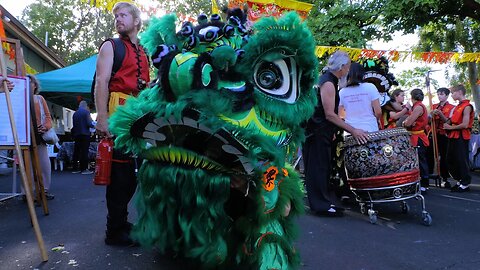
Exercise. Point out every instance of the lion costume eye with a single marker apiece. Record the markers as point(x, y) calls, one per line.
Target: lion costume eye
point(278, 79)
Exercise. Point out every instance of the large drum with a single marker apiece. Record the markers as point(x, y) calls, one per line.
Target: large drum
point(387, 159)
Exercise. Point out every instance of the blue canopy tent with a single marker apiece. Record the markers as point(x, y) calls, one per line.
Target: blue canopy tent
point(67, 86)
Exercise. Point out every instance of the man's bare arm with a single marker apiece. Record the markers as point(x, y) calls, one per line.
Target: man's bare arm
point(104, 70)
point(327, 92)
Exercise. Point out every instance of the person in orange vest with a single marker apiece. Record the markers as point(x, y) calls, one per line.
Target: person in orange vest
point(459, 128)
point(440, 113)
point(416, 123)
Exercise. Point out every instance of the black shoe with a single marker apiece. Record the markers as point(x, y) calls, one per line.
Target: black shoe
point(455, 188)
point(337, 208)
point(332, 212)
point(119, 238)
point(461, 190)
point(49, 196)
point(446, 184)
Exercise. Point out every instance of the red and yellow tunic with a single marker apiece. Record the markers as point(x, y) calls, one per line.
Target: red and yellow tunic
point(457, 118)
point(417, 131)
point(125, 82)
point(445, 109)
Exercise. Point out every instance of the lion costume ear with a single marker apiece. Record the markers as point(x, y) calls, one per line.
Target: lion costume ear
point(377, 73)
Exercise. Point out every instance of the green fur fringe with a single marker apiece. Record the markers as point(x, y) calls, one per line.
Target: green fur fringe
point(160, 31)
point(182, 210)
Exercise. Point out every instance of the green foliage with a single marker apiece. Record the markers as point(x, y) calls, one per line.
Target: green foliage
point(345, 23)
point(455, 35)
point(407, 15)
point(75, 30)
point(188, 8)
point(415, 78)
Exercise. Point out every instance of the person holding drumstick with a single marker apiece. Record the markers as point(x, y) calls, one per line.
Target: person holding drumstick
point(320, 130)
point(416, 123)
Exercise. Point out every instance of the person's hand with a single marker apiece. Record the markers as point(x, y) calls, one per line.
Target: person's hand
point(102, 126)
point(447, 126)
point(41, 129)
point(408, 106)
point(9, 84)
point(360, 135)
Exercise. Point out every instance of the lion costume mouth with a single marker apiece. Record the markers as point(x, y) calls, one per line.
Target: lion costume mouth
point(187, 142)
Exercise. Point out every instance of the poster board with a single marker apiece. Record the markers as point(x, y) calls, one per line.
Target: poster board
point(20, 97)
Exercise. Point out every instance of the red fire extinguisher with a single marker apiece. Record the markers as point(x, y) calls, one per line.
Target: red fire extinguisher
point(103, 164)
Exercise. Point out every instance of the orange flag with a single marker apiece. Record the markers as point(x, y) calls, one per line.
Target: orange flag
point(2, 30)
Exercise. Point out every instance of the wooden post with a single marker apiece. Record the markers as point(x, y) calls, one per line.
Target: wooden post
point(28, 193)
point(433, 130)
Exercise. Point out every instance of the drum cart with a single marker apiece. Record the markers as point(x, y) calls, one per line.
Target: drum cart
point(384, 170)
point(367, 197)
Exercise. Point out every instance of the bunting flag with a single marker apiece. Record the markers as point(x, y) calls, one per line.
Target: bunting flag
point(215, 9)
point(29, 69)
point(2, 30)
point(106, 4)
point(261, 8)
point(395, 56)
point(7, 49)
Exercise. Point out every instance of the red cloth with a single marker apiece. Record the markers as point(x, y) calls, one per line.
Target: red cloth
point(125, 80)
point(445, 109)
point(419, 126)
point(457, 118)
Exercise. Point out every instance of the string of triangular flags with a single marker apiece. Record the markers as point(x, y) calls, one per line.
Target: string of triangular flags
point(258, 8)
point(402, 56)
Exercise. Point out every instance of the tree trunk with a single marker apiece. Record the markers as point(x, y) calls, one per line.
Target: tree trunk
point(473, 78)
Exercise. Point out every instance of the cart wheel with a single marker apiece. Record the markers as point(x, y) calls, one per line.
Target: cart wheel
point(426, 219)
point(363, 209)
point(372, 216)
point(405, 208)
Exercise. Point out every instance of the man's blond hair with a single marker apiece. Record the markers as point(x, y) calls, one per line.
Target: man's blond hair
point(459, 87)
point(132, 9)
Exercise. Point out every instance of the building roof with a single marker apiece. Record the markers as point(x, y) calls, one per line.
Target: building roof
point(20, 32)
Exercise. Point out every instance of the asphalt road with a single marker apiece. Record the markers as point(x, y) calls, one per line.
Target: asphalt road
point(398, 241)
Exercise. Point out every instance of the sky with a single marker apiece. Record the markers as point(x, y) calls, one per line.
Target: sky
point(400, 42)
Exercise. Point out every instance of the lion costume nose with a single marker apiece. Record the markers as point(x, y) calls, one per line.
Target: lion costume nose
point(223, 57)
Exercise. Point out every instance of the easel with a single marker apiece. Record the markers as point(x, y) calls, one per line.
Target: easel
point(21, 153)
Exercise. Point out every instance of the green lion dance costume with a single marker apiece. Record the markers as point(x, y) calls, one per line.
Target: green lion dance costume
point(215, 132)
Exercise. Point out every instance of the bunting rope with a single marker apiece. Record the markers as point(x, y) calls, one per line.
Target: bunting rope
point(402, 56)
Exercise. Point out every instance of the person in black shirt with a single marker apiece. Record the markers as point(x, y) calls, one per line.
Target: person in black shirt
point(82, 122)
point(321, 127)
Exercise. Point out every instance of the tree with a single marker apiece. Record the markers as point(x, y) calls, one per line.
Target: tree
point(415, 78)
point(455, 34)
point(75, 29)
point(407, 15)
point(345, 23)
point(451, 25)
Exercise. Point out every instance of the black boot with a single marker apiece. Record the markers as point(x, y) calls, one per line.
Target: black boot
point(119, 234)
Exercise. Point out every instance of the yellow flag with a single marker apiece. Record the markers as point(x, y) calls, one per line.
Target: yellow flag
point(215, 9)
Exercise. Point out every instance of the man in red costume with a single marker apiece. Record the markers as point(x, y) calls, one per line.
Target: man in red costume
point(416, 123)
point(111, 90)
point(459, 128)
point(441, 112)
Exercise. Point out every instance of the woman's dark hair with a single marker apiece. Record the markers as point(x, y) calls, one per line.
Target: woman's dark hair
point(355, 75)
point(443, 90)
point(417, 94)
point(396, 93)
point(36, 88)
